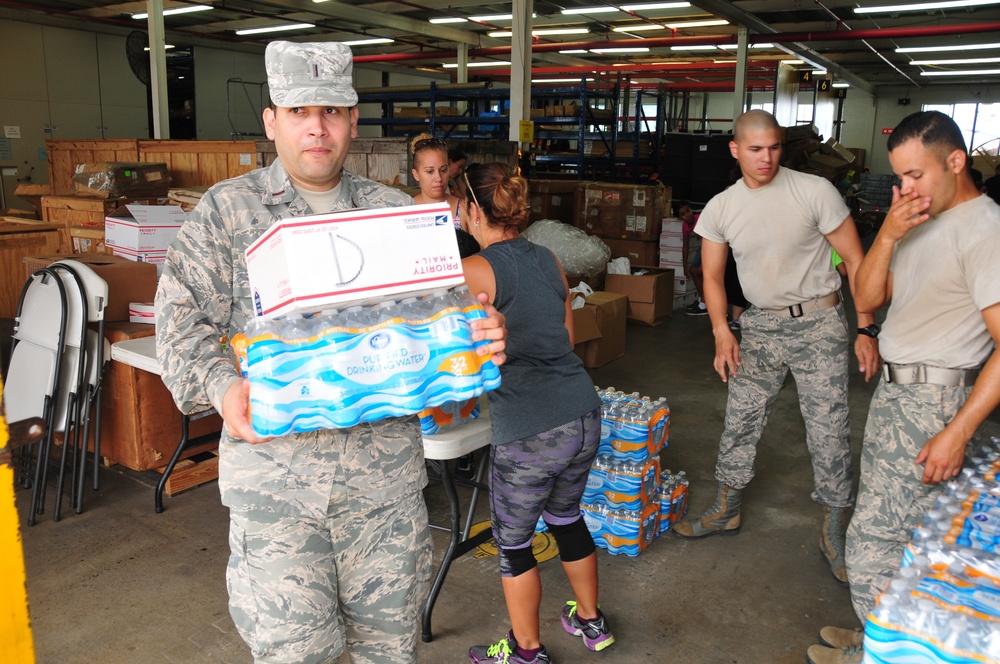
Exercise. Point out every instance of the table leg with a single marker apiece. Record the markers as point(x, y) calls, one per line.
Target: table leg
point(457, 544)
point(161, 485)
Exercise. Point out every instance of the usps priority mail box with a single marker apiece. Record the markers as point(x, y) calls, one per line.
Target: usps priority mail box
point(138, 228)
point(305, 264)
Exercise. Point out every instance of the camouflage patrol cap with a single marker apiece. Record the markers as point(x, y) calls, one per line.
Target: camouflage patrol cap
point(310, 74)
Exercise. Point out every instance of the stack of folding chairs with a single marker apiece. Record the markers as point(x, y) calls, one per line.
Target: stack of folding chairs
point(56, 365)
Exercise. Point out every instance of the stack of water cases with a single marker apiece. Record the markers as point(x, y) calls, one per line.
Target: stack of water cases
point(944, 605)
point(621, 504)
point(337, 368)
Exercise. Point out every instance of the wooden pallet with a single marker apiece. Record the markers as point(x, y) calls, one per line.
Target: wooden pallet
point(193, 471)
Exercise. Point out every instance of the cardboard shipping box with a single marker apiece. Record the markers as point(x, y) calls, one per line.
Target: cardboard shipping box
point(304, 264)
point(622, 211)
point(553, 199)
point(636, 251)
point(599, 329)
point(142, 228)
point(127, 281)
point(650, 295)
point(140, 426)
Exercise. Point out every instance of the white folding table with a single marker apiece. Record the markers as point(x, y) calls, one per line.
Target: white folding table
point(438, 450)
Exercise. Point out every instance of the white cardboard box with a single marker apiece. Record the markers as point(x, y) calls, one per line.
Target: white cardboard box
point(139, 228)
point(305, 264)
point(157, 258)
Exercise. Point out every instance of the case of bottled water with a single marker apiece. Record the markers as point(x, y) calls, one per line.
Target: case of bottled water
point(944, 604)
point(338, 368)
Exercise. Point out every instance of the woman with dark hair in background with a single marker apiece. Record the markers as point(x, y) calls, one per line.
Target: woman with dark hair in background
point(546, 420)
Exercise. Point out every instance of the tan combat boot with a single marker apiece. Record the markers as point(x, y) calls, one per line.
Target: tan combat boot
point(831, 541)
point(722, 518)
point(824, 655)
point(841, 637)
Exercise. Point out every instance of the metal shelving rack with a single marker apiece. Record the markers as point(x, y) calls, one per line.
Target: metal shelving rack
point(592, 131)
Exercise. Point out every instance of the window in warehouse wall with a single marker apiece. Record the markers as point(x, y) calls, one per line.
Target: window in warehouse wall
point(980, 123)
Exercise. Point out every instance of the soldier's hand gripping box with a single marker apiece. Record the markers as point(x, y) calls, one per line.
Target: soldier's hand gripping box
point(305, 264)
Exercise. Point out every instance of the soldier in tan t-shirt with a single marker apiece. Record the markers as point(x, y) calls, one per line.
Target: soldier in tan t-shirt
point(935, 262)
point(780, 225)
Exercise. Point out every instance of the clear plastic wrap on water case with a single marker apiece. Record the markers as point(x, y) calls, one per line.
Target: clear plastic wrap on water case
point(336, 368)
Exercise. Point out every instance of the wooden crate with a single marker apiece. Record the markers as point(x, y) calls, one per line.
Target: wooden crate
point(80, 211)
point(18, 240)
point(140, 425)
point(385, 160)
point(63, 157)
point(201, 163)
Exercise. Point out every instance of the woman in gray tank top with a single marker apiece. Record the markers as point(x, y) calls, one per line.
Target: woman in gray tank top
point(546, 420)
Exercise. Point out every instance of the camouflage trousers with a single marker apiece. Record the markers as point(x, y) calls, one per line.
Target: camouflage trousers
point(543, 475)
point(301, 588)
point(892, 500)
point(814, 347)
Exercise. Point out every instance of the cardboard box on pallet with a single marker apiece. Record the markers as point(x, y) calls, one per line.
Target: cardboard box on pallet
point(553, 199)
point(140, 426)
point(599, 329)
point(622, 211)
point(650, 295)
point(636, 251)
point(127, 281)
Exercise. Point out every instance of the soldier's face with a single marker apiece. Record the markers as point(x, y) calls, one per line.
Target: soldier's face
point(928, 172)
point(312, 142)
point(758, 152)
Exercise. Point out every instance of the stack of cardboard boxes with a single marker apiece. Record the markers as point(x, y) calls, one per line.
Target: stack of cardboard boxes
point(671, 256)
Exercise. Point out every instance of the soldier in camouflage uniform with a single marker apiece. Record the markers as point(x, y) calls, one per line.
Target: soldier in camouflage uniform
point(780, 225)
point(935, 261)
point(328, 531)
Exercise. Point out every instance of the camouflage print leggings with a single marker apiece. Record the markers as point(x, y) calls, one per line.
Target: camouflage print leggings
point(815, 348)
point(542, 475)
point(892, 499)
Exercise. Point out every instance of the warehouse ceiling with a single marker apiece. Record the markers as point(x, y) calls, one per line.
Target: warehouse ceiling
point(860, 49)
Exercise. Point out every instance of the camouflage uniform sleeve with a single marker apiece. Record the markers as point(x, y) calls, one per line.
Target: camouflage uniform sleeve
point(195, 300)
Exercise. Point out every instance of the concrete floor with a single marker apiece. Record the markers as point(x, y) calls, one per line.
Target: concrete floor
point(120, 584)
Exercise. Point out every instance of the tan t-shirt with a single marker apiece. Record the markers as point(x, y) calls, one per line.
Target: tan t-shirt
point(777, 234)
point(944, 273)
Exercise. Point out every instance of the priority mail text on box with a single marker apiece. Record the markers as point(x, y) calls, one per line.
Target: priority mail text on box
point(305, 264)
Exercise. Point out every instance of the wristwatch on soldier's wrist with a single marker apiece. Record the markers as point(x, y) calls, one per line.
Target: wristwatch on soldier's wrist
point(870, 331)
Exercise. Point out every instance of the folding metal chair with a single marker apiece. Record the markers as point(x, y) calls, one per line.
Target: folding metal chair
point(33, 378)
point(84, 363)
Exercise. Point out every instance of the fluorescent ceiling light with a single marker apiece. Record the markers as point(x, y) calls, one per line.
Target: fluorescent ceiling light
point(793, 62)
point(450, 19)
point(819, 72)
point(276, 28)
point(492, 17)
point(543, 33)
point(165, 47)
point(924, 6)
point(704, 47)
point(559, 80)
point(590, 10)
point(841, 85)
point(575, 50)
point(943, 49)
point(636, 49)
point(965, 72)
point(187, 9)
point(640, 28)
point(656, 5)
point(367, 42)
point(724, 62)
point(961, 61)
point(498, 63)
point(697, 24)
point(763, 45)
